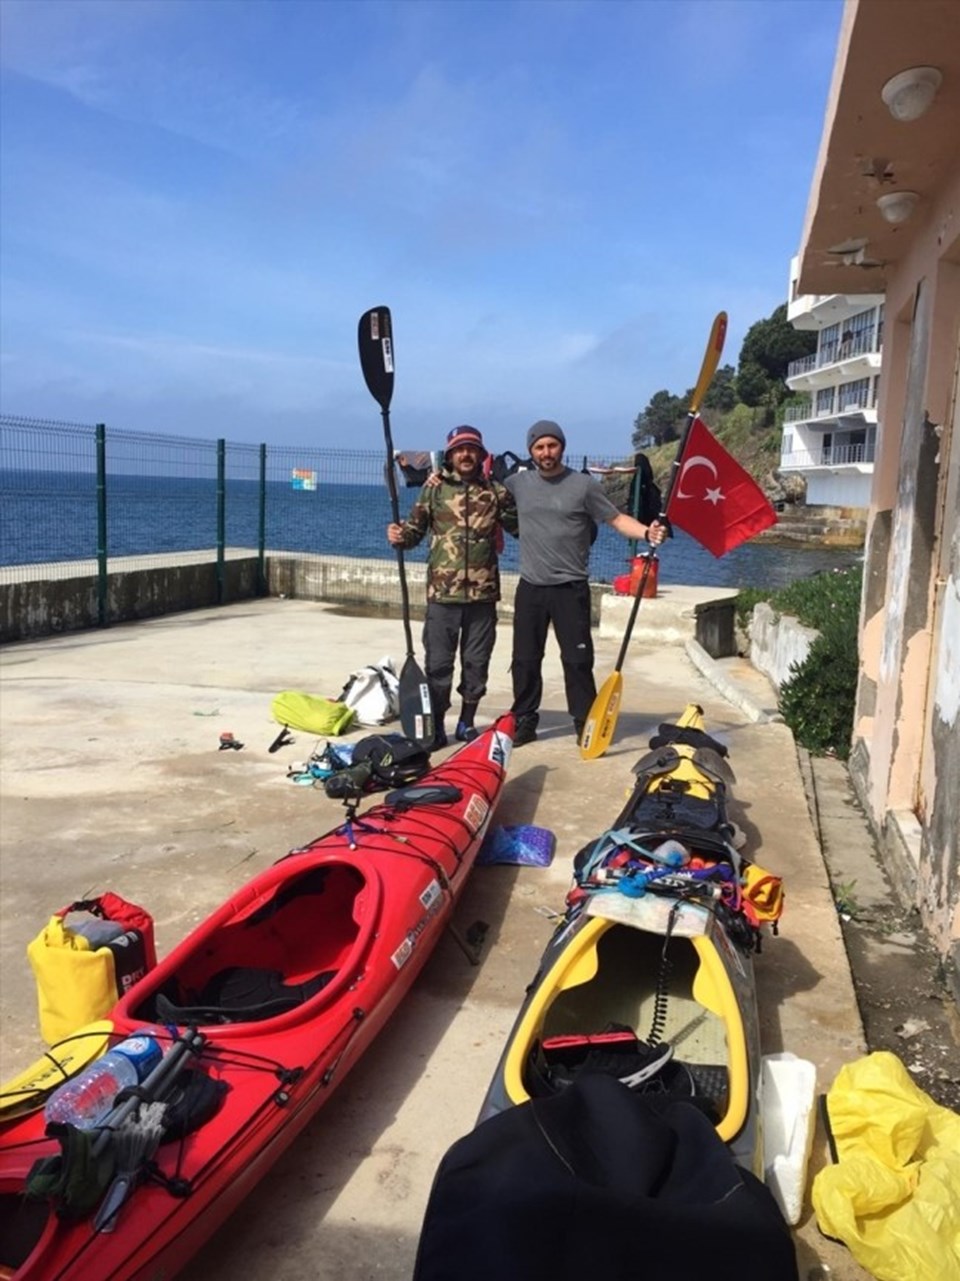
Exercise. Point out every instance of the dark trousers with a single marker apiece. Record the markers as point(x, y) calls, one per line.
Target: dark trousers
point(567, 607)
point(471, 628)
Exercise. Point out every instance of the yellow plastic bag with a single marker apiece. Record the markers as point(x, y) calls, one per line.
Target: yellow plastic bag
point(893, 1197)
point(312, 714)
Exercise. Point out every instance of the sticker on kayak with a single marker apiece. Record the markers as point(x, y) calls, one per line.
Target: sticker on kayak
point(501, 746)
point(430, 894)
point(478, 808)
point(430, 899)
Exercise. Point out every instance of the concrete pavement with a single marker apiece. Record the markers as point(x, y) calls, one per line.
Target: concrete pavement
point(112, 779)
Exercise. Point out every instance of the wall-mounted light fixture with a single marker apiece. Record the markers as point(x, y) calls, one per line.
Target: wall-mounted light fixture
point(897, 206)
point(909, 95)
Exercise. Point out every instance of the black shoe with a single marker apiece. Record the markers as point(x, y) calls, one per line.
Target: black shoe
point(526, 732)
point(439, 739)
point(578, 727)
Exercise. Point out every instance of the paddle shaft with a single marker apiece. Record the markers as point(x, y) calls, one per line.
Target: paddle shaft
point(601, 721)
point(395, 508)
point(375, 340)
point(641, 586)
point(169, 1067)
point(711, 358)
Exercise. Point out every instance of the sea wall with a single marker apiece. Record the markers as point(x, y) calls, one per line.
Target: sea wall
point(68, 601)
point(50, 599)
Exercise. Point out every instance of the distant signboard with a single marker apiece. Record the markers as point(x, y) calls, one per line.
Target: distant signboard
point(302, 478)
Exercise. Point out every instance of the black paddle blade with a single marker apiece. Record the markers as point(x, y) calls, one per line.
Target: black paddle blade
point(416, 710)
point(375, 339)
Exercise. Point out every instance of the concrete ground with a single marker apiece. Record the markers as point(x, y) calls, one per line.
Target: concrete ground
point(112, 779)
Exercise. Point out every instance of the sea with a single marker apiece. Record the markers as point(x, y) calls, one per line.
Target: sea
point(49, 516)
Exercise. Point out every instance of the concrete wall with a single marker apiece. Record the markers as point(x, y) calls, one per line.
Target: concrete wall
point(68, 603)
point(777, 643)
point(65, 599)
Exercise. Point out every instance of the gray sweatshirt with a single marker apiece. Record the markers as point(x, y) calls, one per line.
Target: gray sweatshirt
point(555, 528)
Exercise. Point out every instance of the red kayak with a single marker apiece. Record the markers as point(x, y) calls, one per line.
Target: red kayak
point(264, 1008)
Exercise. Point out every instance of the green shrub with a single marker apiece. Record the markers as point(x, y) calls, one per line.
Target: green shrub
point(819, 700)
point(825, 600)
point(745, 601)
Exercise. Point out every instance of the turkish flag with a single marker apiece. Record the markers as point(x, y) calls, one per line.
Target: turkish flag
point(713, 498)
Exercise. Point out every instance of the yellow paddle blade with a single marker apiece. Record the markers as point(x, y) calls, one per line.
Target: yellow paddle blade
point(711, 358)
point(691, 717)
point(602, 720)
point(28, 1091)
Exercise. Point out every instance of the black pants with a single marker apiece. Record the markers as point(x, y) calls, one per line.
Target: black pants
point(567, 607)
point(471, 628)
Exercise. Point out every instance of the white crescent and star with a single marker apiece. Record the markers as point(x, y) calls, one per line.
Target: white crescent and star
point(699, 460)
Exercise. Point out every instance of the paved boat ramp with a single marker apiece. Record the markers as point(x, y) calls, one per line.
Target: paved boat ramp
point(112, 779)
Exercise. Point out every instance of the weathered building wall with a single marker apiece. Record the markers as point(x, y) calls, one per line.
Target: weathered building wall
point(905, 758)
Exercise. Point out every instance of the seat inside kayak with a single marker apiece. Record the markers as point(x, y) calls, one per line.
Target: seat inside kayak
point(266, 958)
point(626, 982)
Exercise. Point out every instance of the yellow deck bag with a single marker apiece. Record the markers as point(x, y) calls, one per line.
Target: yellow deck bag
point(893, 1197)
point(313, 715)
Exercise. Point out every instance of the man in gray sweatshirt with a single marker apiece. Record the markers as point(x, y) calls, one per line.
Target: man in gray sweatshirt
point(556, 508)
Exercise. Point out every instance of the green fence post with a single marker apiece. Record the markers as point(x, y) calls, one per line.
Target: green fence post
point(221, 519)
point(262, 528)
point(101, 439)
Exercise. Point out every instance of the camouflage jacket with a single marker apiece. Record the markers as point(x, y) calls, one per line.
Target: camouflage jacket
point(463, 519)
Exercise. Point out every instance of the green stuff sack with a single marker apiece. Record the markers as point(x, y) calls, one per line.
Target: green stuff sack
point(313, 715)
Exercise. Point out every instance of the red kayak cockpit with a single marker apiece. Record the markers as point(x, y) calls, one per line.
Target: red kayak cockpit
point(292, 936)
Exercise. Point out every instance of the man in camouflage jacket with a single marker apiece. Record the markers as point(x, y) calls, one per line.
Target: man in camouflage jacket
point(464, 514)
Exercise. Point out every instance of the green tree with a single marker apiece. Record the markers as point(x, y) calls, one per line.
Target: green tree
point(660, 420)
point(768, 348)
point(721, 395)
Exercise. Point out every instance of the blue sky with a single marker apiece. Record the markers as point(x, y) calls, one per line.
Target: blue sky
point(554, 197)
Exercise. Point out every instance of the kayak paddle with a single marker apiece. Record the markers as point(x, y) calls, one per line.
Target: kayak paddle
point(30, 1089)
point(376, 360)
point(602, 719)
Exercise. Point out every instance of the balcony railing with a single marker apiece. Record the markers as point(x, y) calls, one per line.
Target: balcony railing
point(828, 456)
point(798, 413)
point(832, 353)
point(806, 413)
point(805, 365)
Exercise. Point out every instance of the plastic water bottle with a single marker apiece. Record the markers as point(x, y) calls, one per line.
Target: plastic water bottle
point(86, 1100)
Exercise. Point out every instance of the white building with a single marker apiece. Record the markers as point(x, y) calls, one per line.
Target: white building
point(830, 438)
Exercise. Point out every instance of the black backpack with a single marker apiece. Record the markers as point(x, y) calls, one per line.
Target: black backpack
point(394, 760)
point(379, 761)
point(505, 464)
point(649, 506)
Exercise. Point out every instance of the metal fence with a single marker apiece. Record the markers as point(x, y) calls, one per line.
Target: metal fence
point(74, 492)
